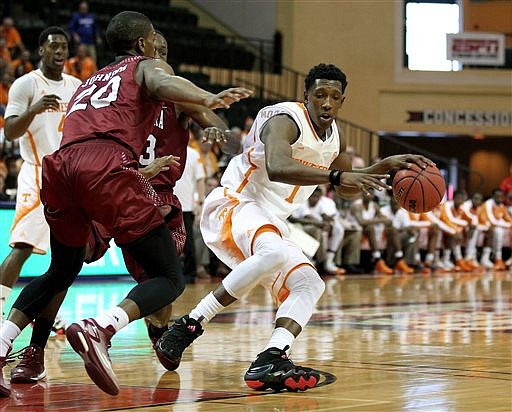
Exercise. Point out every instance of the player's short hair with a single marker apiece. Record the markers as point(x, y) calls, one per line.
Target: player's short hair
point(125, 28)
point(43, 36)
point(461, 192)
point(327, 72)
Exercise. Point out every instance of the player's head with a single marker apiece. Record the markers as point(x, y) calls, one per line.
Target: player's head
point(497, 195)
point(130, 32)
point(160, 46)
point(53, 48)
point(477, 199)
point(324, 91)
point(459, 196)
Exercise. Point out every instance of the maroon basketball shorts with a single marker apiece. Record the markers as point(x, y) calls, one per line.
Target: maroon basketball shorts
point(96, 180)
point(99, 238)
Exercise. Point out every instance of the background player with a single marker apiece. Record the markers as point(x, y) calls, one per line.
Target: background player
point(35, 113)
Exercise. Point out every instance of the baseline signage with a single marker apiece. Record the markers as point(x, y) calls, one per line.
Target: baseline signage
point(110, 264)
point(461, 117)
point(487, 49)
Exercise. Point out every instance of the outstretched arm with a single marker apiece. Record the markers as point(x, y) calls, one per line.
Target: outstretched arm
point(158, 79)
point(216, 130)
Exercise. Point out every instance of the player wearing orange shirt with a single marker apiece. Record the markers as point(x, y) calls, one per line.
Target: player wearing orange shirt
point(81, 65)
point(494, 214)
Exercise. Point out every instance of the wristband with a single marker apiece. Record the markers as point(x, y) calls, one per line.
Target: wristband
point(335, 177)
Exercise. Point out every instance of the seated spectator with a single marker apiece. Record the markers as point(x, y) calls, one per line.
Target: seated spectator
point(5, 84)
point(350, 248)
point(4, 51)
point(368, 214)
point(495, 216)
point(83, 29)
point(22, 65)
point(452, 213)
point(5, 66)
point(319, 218)
point(408, 231)
point(12, 37)
point(81, 65)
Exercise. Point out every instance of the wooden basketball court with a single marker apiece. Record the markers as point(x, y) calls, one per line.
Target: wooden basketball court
point(396, 343)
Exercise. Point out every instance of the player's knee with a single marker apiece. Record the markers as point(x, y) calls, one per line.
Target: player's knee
point(311, 284)
point(317, 287)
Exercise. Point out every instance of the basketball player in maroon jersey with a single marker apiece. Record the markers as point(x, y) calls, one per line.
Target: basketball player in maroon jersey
point(93, 176)
point(170, 134)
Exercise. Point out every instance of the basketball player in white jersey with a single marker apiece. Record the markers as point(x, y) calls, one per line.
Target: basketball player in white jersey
point(291, 148)
point(35, 112)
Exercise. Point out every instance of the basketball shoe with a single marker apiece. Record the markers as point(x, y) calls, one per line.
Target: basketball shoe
point(31, 368)
point(273, 369)
point(4, 390)
point(401, 266)
point(381, 267)
point(91, 342)
point(59, 326)
point(154, 333)
point(176, 339)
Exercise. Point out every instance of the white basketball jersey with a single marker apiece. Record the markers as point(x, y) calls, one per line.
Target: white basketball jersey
point(247, 175)
point(44, 134)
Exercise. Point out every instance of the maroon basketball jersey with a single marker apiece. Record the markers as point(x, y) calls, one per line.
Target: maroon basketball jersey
point(168, 137)
point(111, 105)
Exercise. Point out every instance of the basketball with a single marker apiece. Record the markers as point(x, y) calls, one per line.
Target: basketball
point(418, 190)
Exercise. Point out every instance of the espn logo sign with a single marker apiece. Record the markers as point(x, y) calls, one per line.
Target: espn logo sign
point(476, 48)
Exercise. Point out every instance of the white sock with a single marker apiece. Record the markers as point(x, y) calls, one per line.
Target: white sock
point(5, 291)
point(429, 258)
point(206, 309)
point(8, 333)
point(486, 253)
point(329, 257)
point(115, 317)
point(399, 254)
point(280, 338)
point(446, 255)
point(376, 255)
point(457, 253)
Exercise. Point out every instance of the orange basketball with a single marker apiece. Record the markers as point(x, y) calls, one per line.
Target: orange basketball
point(418, 190)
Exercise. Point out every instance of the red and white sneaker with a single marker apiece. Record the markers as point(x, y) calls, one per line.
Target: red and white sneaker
point(5, 392)
point(91, 342)
point(31, 368)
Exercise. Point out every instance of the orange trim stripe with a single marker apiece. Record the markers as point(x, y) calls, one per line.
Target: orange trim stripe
point(306, 114)
point(263, 229)
point(251, 169)
point(294, 192)
point(41, 77)
point(34, 148)
point(25, 212)
point(227, 240)
point(284, 292)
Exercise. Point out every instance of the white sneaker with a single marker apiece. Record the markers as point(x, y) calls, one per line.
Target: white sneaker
point(447, 264)
point(486, 263)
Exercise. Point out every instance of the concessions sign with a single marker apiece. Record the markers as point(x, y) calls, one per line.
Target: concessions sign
point(487, 49)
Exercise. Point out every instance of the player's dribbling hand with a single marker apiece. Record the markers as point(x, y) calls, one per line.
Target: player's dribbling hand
point(227, 97)
point(160, 164)
point(47, 102)
point(404, 161)
point(351, 181)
